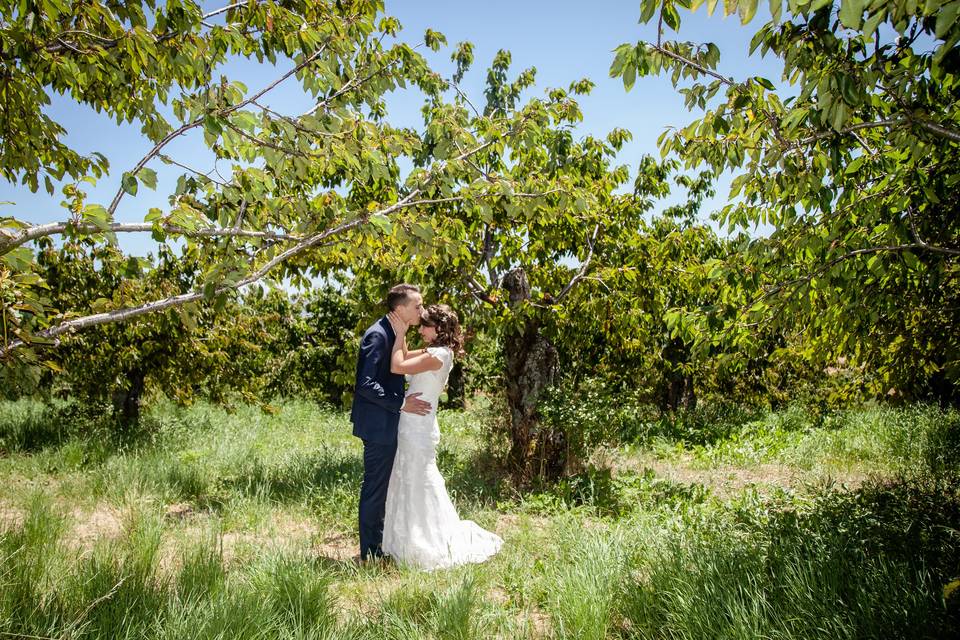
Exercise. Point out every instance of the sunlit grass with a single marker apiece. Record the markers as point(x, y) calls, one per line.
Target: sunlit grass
point(213, 524)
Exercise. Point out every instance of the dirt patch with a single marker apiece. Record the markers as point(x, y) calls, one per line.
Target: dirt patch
point(102, 522)
point(498, 596)
point(337, 547)
point(540, 622)
point(726, 481)
point(180, 511)
point(11, 517)
point(507, 522)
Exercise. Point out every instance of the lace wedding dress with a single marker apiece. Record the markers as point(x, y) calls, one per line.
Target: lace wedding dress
point(421, 526)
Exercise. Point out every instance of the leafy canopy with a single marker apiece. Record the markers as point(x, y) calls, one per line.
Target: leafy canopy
point(854, 163)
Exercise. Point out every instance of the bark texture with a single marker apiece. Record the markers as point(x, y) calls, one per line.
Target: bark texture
point(536, 452)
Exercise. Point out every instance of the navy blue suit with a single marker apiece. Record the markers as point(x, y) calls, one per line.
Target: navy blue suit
point(377, 400)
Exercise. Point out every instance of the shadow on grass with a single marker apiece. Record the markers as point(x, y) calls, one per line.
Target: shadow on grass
point(870, 563)
point(474, 476)
point(28, 426)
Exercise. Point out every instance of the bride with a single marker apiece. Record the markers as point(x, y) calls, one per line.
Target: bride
point(421, 526)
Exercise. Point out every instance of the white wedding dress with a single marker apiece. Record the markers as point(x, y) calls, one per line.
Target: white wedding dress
point(421, 526)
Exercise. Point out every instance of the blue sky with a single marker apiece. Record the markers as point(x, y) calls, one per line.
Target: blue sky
point(565, 41)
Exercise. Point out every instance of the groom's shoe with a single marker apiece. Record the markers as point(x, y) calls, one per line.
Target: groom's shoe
point(378, 558)
point(371, 554)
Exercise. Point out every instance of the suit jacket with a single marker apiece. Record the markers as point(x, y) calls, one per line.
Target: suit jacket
point(379, 394)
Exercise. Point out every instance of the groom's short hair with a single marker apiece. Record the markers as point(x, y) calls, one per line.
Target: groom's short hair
point(399, 294)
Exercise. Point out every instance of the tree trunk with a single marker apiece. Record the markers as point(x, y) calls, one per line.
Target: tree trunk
point(677, 390)
point(531, 367)
point(126, 402)
point(944, 390)
point(689, 397)
point(678, 393)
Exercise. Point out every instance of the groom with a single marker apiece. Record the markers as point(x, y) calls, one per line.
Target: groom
point(377, 401)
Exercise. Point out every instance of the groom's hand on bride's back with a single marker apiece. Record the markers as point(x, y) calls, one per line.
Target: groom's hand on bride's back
point(414, 404)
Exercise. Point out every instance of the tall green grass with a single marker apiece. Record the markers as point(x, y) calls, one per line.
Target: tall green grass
point(867, 564)
point(602, 555)
point(917, 439)
point(121, 588)
point(582, 595)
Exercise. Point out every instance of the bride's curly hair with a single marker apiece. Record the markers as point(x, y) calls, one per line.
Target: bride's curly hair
point(445, 321)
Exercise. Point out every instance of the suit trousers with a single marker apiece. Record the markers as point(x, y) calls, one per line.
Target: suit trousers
point(377, 466)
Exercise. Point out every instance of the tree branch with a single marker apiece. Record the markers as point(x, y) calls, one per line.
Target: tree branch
point(851, 129)
point(55, 228)
point(480, 293)
point(196, 123)
point(222, 182)
point(583, 267)
point(690, 63)
point(110, 43)
point(949, 134)
point(776, 289)
point(119, 315)
point(216, 12)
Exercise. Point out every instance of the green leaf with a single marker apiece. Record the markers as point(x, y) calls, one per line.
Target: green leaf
point(621, 57)
point(422, 231)
point(53, 366)
point(763, 82)
point(747, 9)
point(647, 9)
point(851, 13)
point(187, 318)
point(129, 183)
point(382, 223)
point(838, 115)
point(870, 26)
point(148, 177)
point(911, 259)
point(854, 166)
point(848, 89)
point(670, 17)
point(97, 215)
point(629, 76)
point(18, 259)
point(245, 120)
point(947, 18)
point(776, 10)
point(212, 127)
point(434, 39)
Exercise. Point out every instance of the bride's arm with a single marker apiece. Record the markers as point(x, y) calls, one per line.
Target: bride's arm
point(409, 362)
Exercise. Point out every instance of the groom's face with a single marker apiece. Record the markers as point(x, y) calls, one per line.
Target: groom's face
point(410, 310)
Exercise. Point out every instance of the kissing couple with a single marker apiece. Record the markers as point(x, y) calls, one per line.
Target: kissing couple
point(405, 512)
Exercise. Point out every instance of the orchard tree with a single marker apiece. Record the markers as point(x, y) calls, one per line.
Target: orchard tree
point(853, 161)
point(307, 193)
point(630, 332)
point(515, 262)
point(184, 352)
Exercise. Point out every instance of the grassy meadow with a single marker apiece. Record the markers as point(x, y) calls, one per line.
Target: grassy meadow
point(216, 524)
